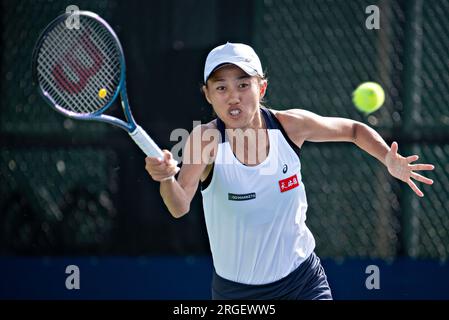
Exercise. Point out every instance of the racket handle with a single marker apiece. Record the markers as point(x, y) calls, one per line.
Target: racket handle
point(144, 141)
point(148, 146)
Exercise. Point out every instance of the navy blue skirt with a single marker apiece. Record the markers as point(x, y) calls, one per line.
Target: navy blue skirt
point(307, 282)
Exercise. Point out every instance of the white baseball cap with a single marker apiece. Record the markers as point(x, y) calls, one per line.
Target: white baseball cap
point(239, 54)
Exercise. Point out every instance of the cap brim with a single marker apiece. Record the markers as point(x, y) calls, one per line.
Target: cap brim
point(247, 69)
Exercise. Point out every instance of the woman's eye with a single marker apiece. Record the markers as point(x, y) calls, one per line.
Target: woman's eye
point(220, 88)
point(243, 85)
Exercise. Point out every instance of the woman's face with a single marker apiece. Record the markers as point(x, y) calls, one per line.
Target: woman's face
point(235, 96)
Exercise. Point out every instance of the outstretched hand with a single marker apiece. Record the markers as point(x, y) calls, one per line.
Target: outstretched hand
point(401, 168)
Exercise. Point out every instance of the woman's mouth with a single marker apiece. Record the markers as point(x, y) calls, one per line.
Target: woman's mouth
point(234, 112)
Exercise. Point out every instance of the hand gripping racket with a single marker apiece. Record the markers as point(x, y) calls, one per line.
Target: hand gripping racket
point(81, 71)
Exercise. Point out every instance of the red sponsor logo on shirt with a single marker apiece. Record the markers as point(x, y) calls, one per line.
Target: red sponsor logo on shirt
point(288, 183)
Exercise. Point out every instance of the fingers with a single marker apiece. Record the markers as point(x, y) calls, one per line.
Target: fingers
point(421, 178)
point(165, 175)
point(153, 161)
point(167, 155)
point(168, 158)
point(415, 188)
point(161, 169)
point(153, 164)
point(412, 158)
point(394, 147)
point(421, 167)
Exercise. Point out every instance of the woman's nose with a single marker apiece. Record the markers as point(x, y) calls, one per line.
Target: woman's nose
point(234, 97)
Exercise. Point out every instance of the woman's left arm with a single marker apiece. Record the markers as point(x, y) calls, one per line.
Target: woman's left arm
point(302, 125)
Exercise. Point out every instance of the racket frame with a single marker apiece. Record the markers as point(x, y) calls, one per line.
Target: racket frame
point(130, 125)
point(140, 137)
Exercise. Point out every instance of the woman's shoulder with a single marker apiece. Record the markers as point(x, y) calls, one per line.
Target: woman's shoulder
point(293, 121)
point(290, 117)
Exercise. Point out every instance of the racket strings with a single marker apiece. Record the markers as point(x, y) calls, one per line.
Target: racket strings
point(108, 49)
point(67, 101)
point(70, 64)
point(84, 56)
point(44, 65)
point(73, 65)
point(60, 70)
point(56, 46)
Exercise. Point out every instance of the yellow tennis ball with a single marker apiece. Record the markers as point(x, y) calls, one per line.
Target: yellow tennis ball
point(368, 97)
point(102, 93)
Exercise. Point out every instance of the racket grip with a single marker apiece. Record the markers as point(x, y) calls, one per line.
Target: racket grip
point(144, 141)
point(148, 146)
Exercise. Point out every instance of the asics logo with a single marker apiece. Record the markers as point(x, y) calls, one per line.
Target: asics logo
point(285, 168)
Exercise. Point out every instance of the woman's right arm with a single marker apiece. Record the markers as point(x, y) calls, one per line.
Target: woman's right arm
point(178, 193)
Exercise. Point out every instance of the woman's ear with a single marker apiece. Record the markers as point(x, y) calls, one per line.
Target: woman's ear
point(263, 88)
point(206, 93)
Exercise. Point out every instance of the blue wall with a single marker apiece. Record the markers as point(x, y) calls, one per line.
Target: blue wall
point(188, 278)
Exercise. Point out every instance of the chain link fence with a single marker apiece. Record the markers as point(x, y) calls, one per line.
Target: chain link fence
point(316, 53)
point(426, 221)
point(61, 191)
point(23, 110)
point(354, 207)
point(428, 75)
point(62, 194)
point(56, 201)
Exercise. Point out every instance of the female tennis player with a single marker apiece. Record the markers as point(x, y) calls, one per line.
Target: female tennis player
point(249, 166)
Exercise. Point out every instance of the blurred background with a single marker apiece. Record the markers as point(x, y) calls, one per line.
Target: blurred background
point(77, 193)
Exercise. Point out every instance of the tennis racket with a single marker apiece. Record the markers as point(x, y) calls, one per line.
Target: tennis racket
point(81, 72)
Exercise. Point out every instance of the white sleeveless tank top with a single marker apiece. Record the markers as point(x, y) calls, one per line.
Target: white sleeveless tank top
point(255, 215)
